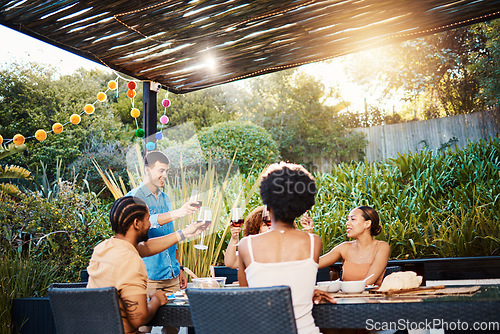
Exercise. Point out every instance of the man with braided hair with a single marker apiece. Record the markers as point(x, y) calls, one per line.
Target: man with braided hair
point(117, 261)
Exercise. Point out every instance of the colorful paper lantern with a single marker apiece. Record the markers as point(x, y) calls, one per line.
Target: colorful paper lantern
point(57, 127)
point(140, 133)
point(163, 119)
point(18, 139)
point(132, 85)
point(166, 103)
point(150, 146)
point(102, 97)
point(158, 136)
point(112, 85)
point(75, 119)
point(41, 135)
point(135, 113)
point(131, 93)
point(1, 139)
point(89, 109)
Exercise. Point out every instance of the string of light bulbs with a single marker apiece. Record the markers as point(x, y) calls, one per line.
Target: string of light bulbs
point(90, 108)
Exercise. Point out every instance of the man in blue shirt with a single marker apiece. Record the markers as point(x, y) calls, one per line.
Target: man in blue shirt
point(164, 270)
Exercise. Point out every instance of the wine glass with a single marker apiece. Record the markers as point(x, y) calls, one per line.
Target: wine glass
point(266, 219)
point(237, 216)
point(205, 216)
point(195, 195)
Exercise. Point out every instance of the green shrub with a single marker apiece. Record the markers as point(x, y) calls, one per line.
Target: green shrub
point(252, 144)
point(63, 228)
point(109, 154)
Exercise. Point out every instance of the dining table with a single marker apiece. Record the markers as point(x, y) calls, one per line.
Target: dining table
point(452, 308)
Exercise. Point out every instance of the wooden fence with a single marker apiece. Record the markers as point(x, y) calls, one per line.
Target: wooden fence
point(386, 141)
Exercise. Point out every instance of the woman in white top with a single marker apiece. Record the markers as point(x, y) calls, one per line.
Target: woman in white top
point(254, 225)
point(284, 255)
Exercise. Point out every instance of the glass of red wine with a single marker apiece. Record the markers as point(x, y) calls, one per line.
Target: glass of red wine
point(205, 216)
point(237, 216)
point(266, 219)
point(195, 197)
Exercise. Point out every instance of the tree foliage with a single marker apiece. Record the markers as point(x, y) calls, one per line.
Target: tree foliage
point(447, 70)
point(292, 106)
point(250, 143)
point(487, 66)
point(203, 108)
point(33, 97)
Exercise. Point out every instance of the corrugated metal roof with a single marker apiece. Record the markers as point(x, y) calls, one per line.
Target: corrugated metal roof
point(190, 45)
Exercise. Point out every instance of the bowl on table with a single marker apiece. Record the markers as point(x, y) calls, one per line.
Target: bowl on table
point(353, 286)
point(329, 286)
point(209, 282)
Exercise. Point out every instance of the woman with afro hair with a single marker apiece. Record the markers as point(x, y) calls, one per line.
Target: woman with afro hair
point(284, 255)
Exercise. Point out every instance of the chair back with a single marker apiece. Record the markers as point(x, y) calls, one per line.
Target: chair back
point(230, 274)
point(85, 311)
point(323, 274)
point(392, 269)
point(68, 285)
point(267, 310)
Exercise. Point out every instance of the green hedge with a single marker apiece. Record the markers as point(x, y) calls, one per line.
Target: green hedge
point(252, 144)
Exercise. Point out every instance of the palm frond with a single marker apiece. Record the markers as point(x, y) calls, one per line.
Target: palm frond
point(14, 172)
point(8, 189)
point(6, 150)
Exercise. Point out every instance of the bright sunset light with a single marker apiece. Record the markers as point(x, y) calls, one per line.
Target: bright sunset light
point(334, 73)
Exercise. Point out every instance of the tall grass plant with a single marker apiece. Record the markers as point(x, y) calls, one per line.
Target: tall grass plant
point(20, 278)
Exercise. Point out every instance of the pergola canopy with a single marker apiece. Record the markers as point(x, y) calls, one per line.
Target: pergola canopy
point(190, 45)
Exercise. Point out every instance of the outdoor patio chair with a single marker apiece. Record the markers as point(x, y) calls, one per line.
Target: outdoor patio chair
point(242, 310)
point(230, 274)
point(85, 311)
point(392, 269)
point(68, 285)
point(323, 274)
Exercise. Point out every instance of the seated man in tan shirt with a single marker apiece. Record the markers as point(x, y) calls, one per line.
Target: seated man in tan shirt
point(117, 261)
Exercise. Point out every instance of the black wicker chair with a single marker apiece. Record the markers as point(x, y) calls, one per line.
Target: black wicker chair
point(242, 310)
point(85, 311)
point(392, 269)
point(68, 285)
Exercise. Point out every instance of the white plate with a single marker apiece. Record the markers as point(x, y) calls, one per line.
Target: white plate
point(181, 299)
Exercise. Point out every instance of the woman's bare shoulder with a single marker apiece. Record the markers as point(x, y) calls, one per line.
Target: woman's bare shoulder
point(382, 245)
point(345, 245)
point(243, 243)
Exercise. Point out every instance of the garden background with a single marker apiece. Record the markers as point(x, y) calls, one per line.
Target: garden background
point(54, 204)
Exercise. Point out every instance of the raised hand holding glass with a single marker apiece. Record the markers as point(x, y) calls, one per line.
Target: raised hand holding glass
point(205, 216)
